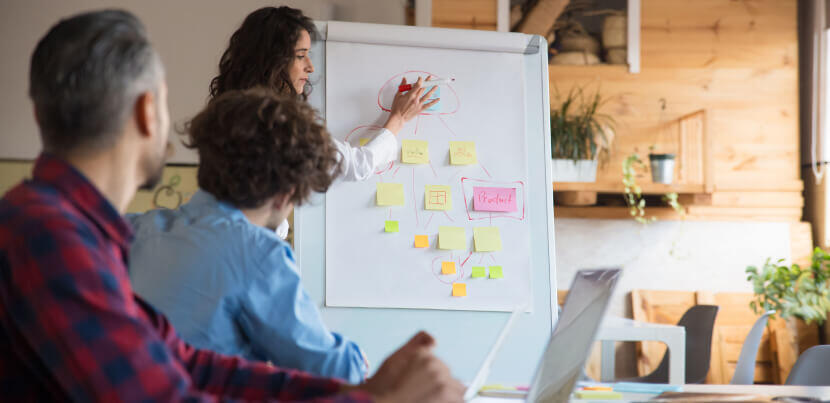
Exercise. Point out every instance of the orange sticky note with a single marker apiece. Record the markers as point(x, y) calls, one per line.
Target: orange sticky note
point(447, 267)
point(459, 290)
point(421, 241)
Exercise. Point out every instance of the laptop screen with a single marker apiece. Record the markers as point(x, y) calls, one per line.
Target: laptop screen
point(568, 348)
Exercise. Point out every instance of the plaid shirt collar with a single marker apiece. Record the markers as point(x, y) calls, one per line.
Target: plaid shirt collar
point(72, 184)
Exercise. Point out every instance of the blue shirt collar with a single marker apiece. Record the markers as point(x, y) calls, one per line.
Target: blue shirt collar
point(206, 200)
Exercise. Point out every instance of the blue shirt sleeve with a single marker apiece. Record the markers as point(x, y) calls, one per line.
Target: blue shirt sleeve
point(284, 325)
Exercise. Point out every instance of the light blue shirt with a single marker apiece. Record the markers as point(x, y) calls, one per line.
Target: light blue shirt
point(233, 287)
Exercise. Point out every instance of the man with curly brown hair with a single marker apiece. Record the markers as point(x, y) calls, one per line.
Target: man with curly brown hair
point(226, 282)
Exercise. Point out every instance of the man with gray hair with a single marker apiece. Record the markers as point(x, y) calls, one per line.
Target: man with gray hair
point(71, 326)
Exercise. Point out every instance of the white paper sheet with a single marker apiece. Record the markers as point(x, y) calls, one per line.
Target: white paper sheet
point(368, 267)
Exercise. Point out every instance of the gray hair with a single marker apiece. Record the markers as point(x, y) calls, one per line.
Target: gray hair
point(86, 75)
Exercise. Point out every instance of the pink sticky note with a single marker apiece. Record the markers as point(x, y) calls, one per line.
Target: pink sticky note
point(494, 199)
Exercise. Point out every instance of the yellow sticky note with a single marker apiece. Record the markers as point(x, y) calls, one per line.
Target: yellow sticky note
point(487, 239)
point(496, 272)
point(479, 272)
point(459, 290)
point(414, 152)
point(447, 267)
point(390, 194)
point(463, 153)
point(437, 197)
point(421, 241)
point(363, 142)
point(452, 238)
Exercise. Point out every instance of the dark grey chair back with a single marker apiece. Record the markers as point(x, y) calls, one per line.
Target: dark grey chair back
point(699, 322)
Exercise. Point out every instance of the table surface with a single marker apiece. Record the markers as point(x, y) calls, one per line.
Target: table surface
point(819, 392)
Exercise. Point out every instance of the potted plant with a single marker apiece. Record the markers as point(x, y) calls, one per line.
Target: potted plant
point(792, 291)
point(799, 296)
point(580, 135)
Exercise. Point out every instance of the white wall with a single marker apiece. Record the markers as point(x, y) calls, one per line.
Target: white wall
point(189, 34)
point(666, 255)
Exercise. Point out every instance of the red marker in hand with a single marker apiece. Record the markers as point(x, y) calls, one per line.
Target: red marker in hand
point(430, 83)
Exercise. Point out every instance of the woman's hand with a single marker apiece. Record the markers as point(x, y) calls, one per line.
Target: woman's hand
point(409, 104)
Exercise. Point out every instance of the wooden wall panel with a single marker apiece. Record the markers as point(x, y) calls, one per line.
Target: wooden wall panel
point(737, 60)
point(467, 14)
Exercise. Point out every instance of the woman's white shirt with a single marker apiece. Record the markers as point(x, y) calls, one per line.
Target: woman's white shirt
point(360, 163)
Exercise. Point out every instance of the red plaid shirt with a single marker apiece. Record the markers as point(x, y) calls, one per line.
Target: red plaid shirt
point(71, 327)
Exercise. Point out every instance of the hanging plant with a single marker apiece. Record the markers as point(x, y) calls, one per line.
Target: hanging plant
point(633, 194)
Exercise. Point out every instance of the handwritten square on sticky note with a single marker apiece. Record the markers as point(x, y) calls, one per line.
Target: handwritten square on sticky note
point(421, 241)
point(437, 197)
point(459, 290)
point(487, 239)
point(447, 267)
point(494, 199)
point(452, 238)
point(391, 226)
point(479, 272)
point(390, 194)
point(496, 272)
point(463, 153)
point(414, 152)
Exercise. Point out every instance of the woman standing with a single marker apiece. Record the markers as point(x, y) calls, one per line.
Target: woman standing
point(271, 49)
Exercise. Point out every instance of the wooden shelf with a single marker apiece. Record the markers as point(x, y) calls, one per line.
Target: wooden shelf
point(693, 213)
point(647, 188)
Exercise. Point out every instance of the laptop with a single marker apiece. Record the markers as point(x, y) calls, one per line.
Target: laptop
point(560, 366)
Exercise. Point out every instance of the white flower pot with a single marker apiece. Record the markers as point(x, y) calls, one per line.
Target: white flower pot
point(567, 170)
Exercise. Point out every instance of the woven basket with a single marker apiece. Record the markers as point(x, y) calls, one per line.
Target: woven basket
point(574, 38)
point(575, 58)
point(614, 31)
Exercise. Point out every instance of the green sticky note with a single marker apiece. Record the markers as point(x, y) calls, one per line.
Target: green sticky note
point(390, 194)
point(463, 153)
point(414, 152)
point(437, 197)
point(479, 272)
point(452, 238)
point(391, 226)
point(487, 239)
point(495, 272)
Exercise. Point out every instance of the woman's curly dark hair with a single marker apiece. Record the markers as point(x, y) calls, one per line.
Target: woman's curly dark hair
point(255, 144)
point(261, 51)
